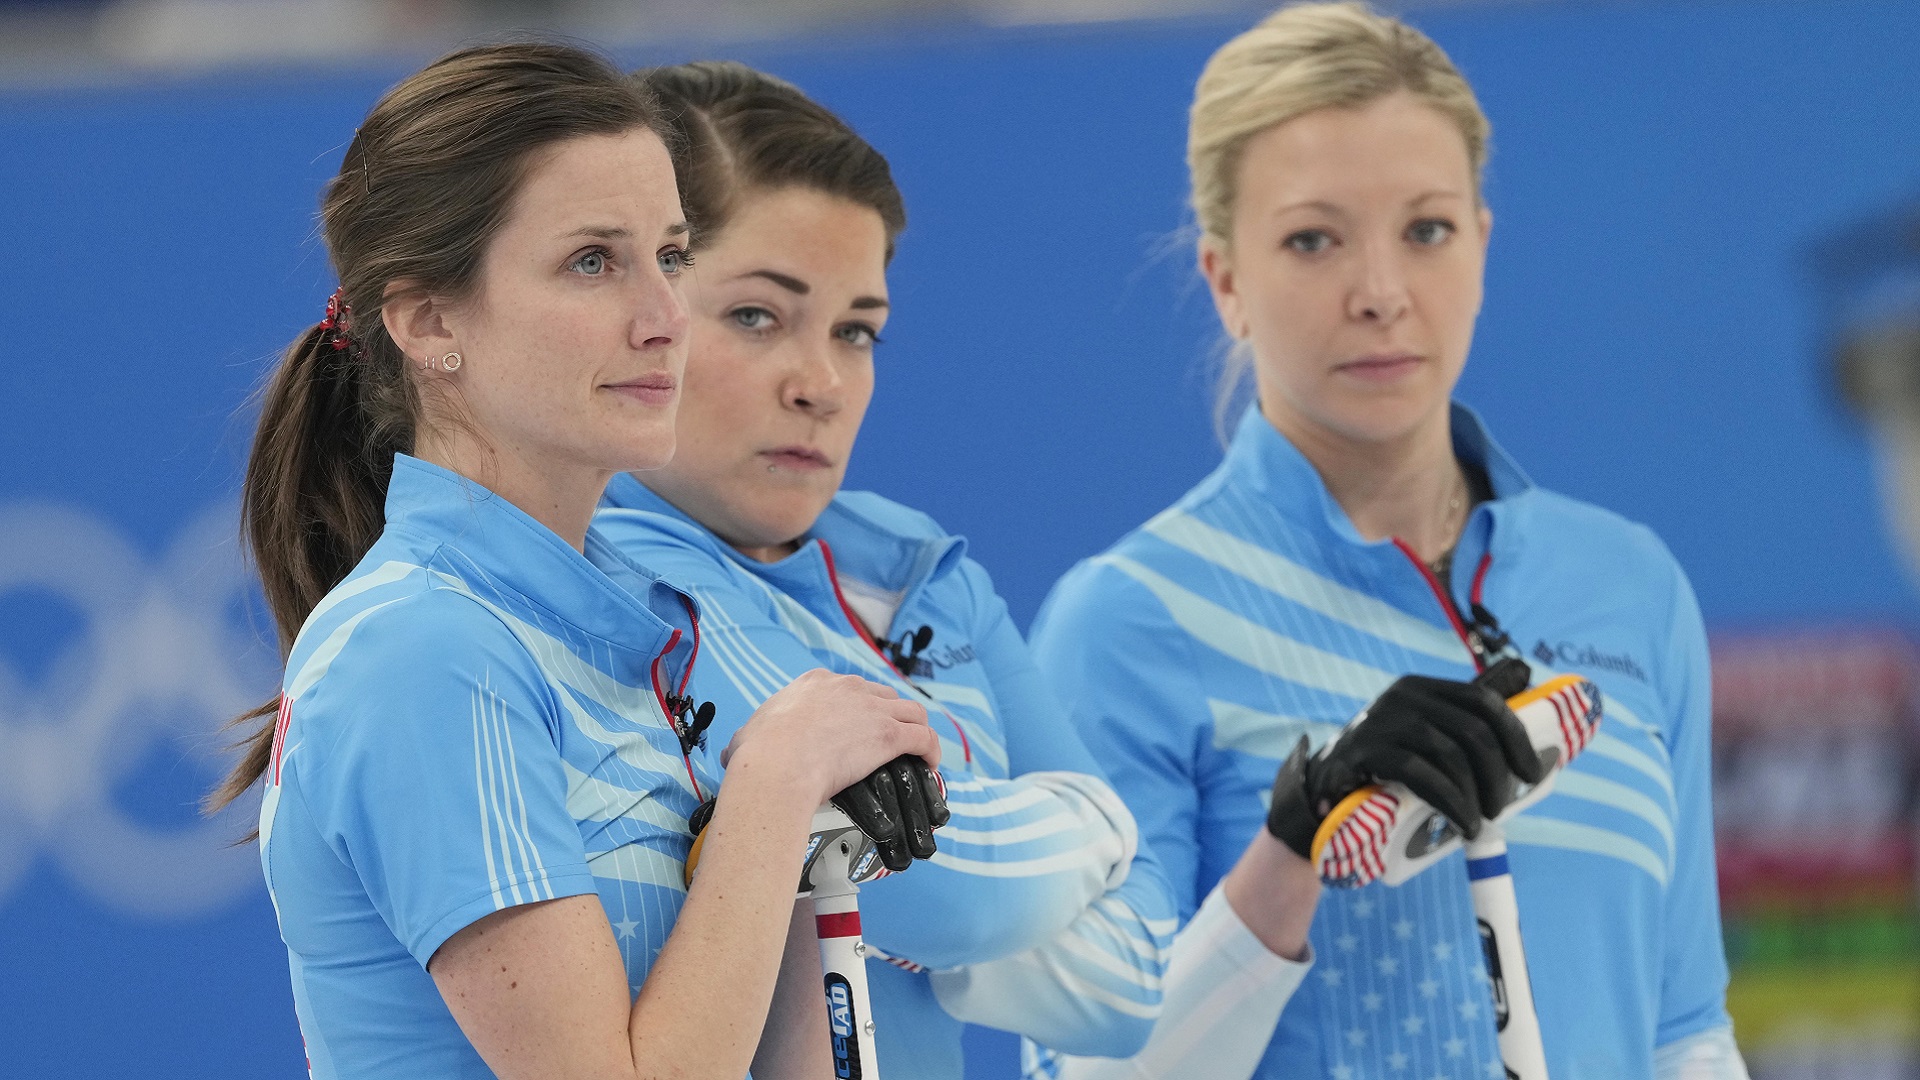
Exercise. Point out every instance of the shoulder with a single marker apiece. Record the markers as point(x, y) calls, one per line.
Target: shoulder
point(892, 522)
point(1118, 586)
point(1588, 542)
point(405, 653)
point(670, 547)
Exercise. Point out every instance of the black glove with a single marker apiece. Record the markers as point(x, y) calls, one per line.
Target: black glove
point(1454, 744)
point(898, 806)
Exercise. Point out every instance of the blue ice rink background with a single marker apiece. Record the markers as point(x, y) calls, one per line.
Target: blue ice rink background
point(1650, 342)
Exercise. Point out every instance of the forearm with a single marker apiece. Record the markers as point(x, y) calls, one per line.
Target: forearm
point(727, 949)
point(1707, 1055)
point(795, 1041)
point(1095, 988)
point(1018, 862)
point(1275, 893)
point(1224, 992)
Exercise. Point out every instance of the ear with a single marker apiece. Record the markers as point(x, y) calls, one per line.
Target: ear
point(416, 322)
point(1486, 226)
point(1216, 265)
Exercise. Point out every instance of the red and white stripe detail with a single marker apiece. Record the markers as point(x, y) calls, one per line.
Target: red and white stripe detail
point(1356, 853)
point(1578, 717)
point(281, 721)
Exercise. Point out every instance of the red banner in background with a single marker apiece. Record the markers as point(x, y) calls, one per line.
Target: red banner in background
point(1816, 741)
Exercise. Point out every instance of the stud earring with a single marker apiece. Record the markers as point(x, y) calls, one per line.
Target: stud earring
point(450, 362)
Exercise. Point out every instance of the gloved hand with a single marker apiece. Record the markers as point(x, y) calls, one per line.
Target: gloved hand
point(898, 806)
point(1454, 744)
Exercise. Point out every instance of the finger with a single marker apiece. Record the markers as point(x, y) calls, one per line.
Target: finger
point(895, 855)
point(868, 810)
point(1435, 748)
point(1508, 676)
point(895, 850)
point(916, 830)
point(1495, 782)
point(936, 792)
point(907, 711)
point(1489, 710)
point(877, 689)
point(1440, 793)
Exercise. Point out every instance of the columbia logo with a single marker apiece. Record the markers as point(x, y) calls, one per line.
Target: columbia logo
point(1568, 655)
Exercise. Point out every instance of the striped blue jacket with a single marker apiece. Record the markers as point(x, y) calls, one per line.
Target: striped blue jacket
point(472, 720)
point(1036, 916)
point(1199, 648)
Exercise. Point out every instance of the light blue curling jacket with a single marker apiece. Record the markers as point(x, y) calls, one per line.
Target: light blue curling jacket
point(473, 720)
point(1197, 649)
point(1036, 916)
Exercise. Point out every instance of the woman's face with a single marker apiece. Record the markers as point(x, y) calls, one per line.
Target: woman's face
point(1355, 269)
point(787, 304)
point(573, 345)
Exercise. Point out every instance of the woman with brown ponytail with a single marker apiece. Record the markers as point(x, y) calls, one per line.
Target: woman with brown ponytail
point(477, 780)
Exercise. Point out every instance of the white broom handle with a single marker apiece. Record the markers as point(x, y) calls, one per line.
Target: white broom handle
point(836, 919)
point(1499, 915)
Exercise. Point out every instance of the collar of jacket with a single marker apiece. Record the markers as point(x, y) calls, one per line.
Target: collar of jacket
point(1261, 459)
point(872, 539)
point(503, 549)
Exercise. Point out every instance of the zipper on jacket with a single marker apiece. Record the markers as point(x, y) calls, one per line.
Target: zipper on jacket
point(860, 628)
point(688, 724)
point(1479, 631)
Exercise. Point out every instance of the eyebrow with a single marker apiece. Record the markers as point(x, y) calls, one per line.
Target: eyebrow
point(615, 232)
point(791, 284)
point(1327, 207)
point(800, 288)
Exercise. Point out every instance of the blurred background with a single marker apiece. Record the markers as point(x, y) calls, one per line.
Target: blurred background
point(1703, 311)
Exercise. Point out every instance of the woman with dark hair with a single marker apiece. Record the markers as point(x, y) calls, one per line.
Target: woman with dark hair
point(477, 776)
point(1035, 916)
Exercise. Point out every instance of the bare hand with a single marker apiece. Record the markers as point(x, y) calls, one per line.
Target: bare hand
point(830, 731)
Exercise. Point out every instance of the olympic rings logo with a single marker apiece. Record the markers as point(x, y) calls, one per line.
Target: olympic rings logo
point(164, 656)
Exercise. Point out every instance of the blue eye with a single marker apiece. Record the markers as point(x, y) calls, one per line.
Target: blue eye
point(752, 319)
point(858, 334)
point(592, 263)
point(1309, 241)
point(675, 260)
point(1429, 232)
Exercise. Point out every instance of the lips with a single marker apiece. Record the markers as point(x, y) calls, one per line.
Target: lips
point(1381, 367)
point(653, 388)
point(797, 458)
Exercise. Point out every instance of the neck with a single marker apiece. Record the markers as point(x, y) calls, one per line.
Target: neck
point(558, 495)
point(1409, 488)
point(767, 553)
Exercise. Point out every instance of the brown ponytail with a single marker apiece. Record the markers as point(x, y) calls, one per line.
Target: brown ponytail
point(426, 183)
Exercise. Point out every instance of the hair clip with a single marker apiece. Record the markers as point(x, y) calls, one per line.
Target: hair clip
point(338, 321)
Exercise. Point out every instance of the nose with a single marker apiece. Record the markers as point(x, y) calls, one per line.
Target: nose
point(813, 384)
point(660, 317)
point(1379, 294)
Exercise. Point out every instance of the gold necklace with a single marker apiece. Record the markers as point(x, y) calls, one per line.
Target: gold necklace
point(1441, 563)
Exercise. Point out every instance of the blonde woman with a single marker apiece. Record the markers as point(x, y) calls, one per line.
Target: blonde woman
point(1365, 532)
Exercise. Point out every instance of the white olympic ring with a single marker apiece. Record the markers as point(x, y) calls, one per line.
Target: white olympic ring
point(163, 659)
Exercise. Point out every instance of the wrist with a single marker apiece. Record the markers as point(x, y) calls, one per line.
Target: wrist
point(771, 783)
point(1274, 892)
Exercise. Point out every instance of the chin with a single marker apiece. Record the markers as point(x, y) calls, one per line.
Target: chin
point(643, 455)
point(792, 516)
point(1384, 418)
